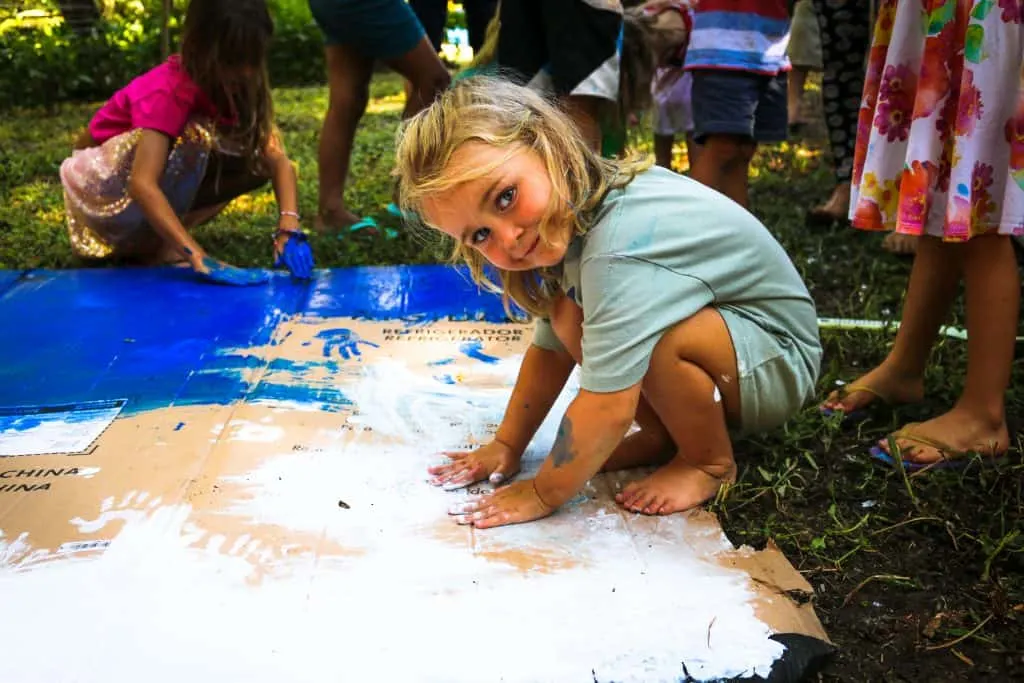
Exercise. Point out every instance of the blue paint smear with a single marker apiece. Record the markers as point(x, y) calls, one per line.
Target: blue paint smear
point(8, 278)
point(415, 294)
point(157, 337)
point(474, 349)
point(443, 361)
point(324, 398)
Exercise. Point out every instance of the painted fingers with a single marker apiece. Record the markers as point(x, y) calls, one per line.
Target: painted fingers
point(513, 504)
point(494, 462)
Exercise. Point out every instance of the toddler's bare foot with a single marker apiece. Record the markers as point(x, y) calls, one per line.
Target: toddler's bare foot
point(882, 383)
point(898, 243)
point(950, 435)
point(638, 449)
point(837, 208)
point(676, 487)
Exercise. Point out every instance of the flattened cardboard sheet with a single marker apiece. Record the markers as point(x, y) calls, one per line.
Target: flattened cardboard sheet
point(291, 535)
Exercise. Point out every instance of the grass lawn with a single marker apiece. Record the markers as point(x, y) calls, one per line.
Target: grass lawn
point(917, 578)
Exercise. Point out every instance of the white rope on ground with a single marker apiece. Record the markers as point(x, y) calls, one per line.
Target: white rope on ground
point(856, 324)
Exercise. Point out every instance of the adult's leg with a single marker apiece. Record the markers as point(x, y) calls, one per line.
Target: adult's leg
point(900, 377)
point(348, 77)
point(977, 422)
point(426, 74)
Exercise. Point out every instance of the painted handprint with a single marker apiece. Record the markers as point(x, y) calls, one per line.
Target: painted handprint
point(343, 341)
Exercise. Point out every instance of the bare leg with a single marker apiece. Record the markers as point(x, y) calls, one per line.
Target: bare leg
point(795, 93)
point(585, 113)
point(426, 75)
point(695, 411)
point(933, 284)
point(692, 150)
point(348, 76)
point(663, 150)
point(170, 254)
point(838, 205)
point(978, 420)
point(652, 444)
point(723, 165)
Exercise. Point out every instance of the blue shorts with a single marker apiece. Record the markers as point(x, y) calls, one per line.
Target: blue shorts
point(739, 103)
point(381, 29)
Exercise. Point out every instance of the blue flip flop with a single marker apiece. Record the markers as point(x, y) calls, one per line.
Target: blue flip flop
point(953, 459)
point(393, 209)
point(860, 414)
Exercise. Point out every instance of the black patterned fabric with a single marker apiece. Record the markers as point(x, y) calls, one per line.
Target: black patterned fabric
point(845, 35)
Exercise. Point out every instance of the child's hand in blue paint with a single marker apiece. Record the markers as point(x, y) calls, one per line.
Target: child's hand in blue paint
point(292, 250)
point(343, 342)
point(212, 270)
point(513, 504)
point(496, 462)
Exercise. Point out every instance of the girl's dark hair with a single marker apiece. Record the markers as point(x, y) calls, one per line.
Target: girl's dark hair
point(224, 51)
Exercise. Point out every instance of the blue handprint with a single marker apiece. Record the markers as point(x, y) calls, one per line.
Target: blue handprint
point(344, 341)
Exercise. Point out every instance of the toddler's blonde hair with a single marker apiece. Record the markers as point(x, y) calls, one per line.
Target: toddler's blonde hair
point(500, 113)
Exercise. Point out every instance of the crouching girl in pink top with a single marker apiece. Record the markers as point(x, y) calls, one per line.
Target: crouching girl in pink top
point(172, 148)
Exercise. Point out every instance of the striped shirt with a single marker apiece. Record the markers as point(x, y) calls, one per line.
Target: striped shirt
point(740, 35)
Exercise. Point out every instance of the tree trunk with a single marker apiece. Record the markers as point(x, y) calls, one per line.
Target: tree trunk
point(80, 15)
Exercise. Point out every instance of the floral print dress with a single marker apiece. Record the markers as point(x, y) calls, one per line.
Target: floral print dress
point(940, 139)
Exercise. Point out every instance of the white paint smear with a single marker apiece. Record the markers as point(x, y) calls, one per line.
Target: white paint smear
point(417, 599)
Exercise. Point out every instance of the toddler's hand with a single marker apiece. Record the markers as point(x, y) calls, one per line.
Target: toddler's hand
point(212, 270)
point(495, 462)
point(518, 502)
point(292, 251)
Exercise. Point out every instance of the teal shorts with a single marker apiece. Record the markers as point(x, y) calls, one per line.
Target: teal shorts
point(778, 374)
point(382, 29)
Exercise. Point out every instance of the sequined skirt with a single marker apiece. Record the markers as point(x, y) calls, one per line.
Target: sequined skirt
point(102, 217)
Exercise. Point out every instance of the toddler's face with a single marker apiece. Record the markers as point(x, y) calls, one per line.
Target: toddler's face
point(499, 214)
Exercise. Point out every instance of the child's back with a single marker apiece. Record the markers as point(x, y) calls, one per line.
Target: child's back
point(663, 248)
point(743, 35)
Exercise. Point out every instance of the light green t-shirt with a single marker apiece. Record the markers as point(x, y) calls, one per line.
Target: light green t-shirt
point(661, 249)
